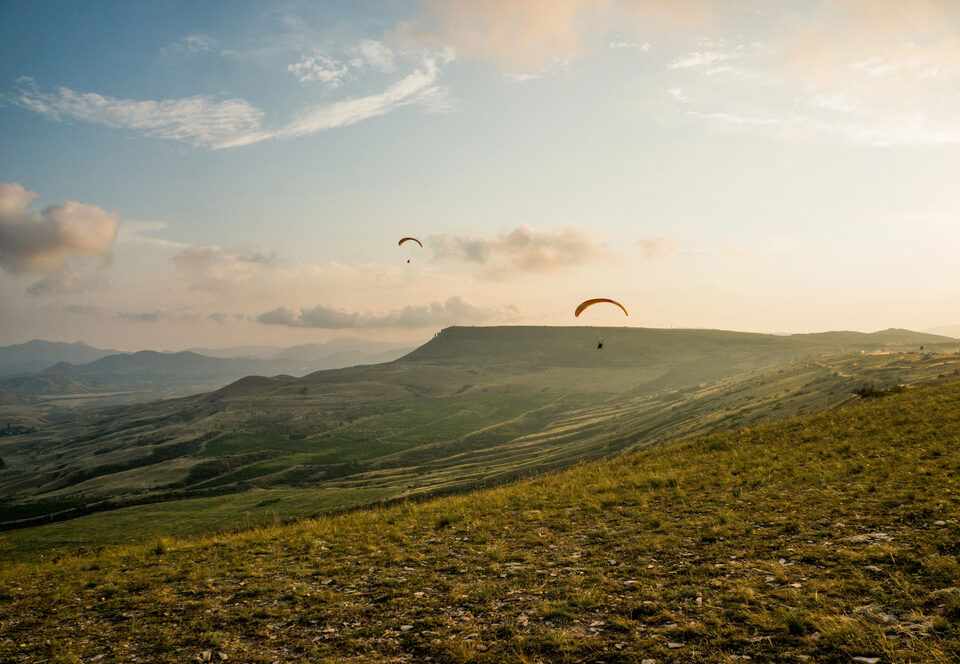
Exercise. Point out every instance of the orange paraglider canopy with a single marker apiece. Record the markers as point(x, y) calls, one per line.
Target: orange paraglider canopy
point(590, 303)
point(410, 239)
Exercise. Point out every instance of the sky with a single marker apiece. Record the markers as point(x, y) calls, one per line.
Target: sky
point(178, 174)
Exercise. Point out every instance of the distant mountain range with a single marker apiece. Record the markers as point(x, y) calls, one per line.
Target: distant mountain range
point(37, 355)
point(34, 372)
point(346, 349)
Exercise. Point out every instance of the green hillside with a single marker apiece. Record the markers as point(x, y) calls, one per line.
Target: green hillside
point(818, 539)
point(473, 407)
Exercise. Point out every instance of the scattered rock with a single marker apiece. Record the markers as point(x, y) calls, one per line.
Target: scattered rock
point(206, 655)
point(866, 660)
point(939, 523)
point(223, 656)
point(674, 644)
point(406, 628)
point(95, 658)
point(944, 593)
point(648, 661)
point(868, 537)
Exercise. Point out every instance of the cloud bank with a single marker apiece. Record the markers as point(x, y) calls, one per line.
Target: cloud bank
point(50, 241)
point(454, 311)
point(522, 250)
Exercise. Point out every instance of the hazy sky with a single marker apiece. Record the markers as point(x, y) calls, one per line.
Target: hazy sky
point(180, 174)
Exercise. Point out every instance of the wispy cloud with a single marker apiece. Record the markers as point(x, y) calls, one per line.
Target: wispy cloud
point(523, 249)
point(211, 269)
point(454, 311)
point(556, 67)
point(200, 121)
point(185, 315)
point(204, 122)
point(878, 73)
point(375, 54)
point(658, 247)
point(644, 47)
point(190, 44)
point(413, 88)
point(49, 242)
point(320, 68)
point(662, 247)
point(521, 35)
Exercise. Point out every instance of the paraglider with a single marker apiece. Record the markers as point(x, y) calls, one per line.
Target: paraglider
point(409, 239)
point(589, 303)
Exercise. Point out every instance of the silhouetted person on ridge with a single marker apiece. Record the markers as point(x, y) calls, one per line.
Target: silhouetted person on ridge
point(600, 345)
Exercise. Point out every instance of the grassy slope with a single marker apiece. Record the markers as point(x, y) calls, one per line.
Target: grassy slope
point(830, 536)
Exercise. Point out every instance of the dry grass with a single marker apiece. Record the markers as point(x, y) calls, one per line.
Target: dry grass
point(826, 537)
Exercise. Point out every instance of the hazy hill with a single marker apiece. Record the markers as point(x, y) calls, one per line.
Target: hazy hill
point(344, 346)
point(624, 346)
point(37, 355)
point(333, 354)
point(42, 384)
point(152, 362)
point(832, 538)
point(248, 351)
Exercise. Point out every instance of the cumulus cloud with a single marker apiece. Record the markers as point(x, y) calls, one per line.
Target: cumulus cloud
point(522, 250)
point(204, 122)
point(454, 311)
point(51, 241)
point(658, 247)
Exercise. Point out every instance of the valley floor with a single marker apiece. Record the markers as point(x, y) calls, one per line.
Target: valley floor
point(821, 539)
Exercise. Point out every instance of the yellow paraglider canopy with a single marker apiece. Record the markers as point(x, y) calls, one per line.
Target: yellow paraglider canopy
point(598, 300)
